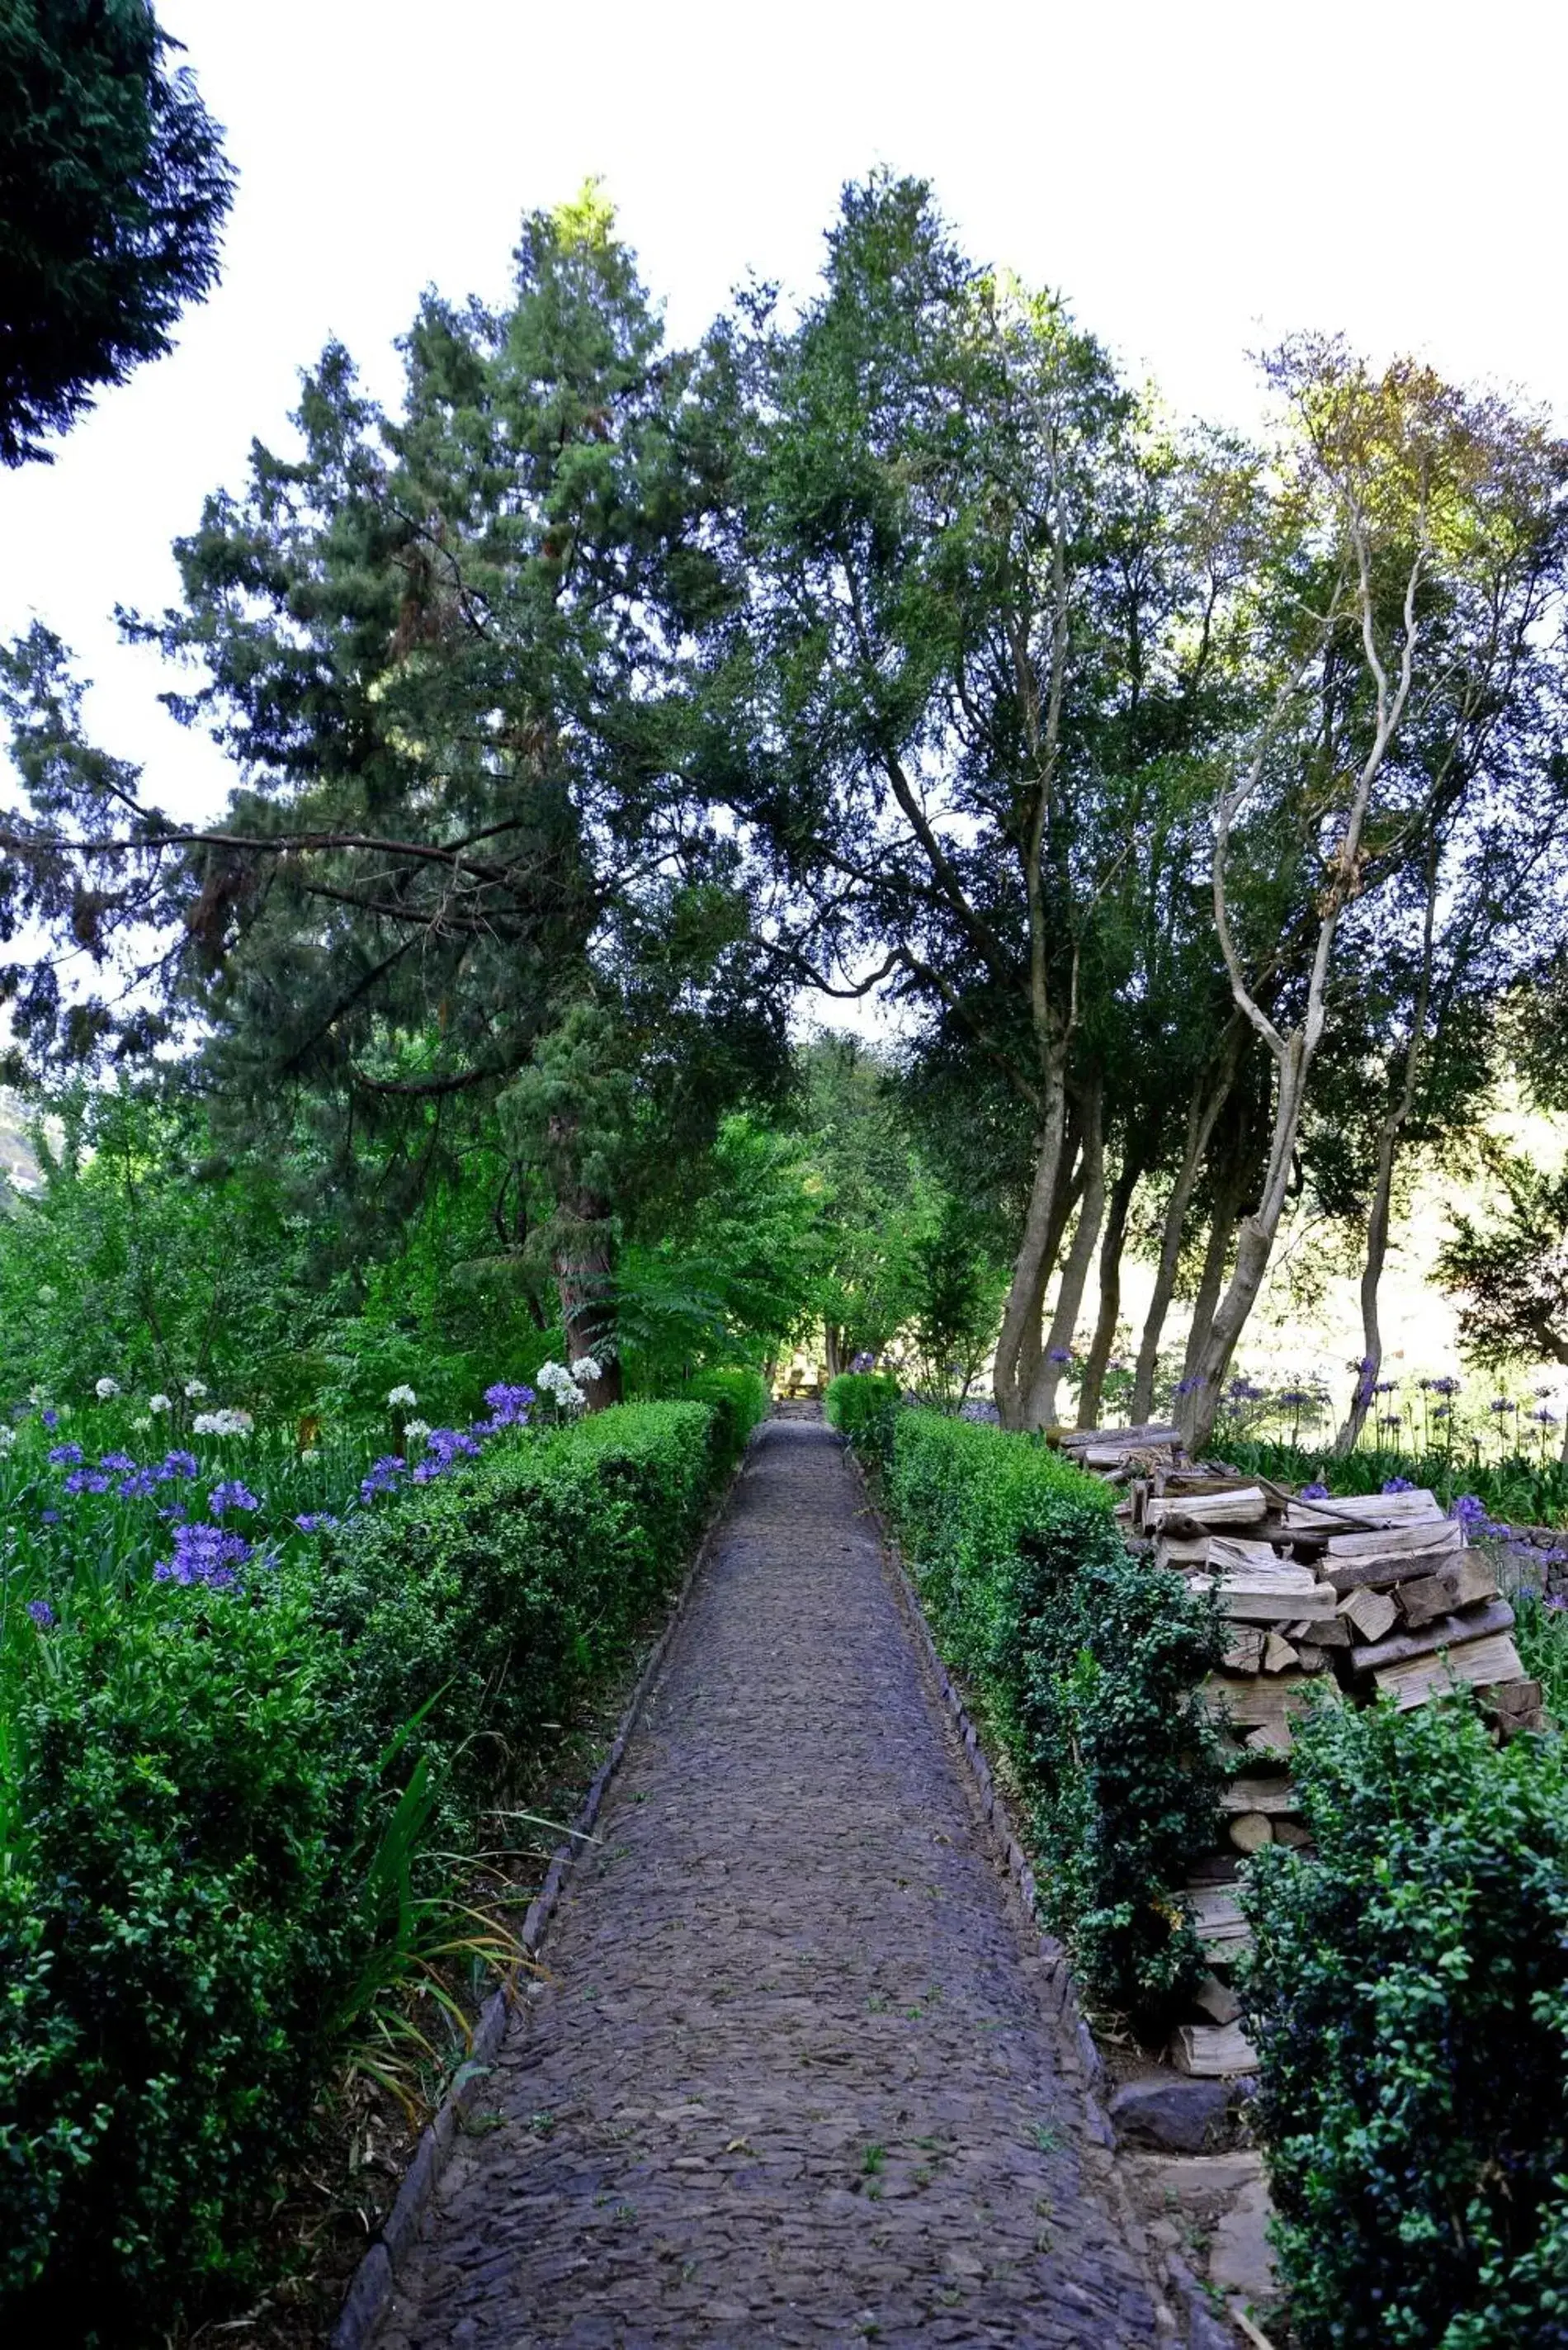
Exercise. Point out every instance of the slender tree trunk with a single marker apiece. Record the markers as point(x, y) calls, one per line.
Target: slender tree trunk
point(1230, 1191)
point(833, 1348)
point(1032, 1267)
point(1039, 1410)
point(1091, 1389)
point(1069, 1190)
point(1254, 1246)
point(1209, 1098)
point(1389, 1139)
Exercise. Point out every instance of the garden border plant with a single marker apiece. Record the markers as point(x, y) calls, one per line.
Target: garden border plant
point(208, 1788)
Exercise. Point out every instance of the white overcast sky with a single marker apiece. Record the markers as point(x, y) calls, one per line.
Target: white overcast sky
point(1198, 176)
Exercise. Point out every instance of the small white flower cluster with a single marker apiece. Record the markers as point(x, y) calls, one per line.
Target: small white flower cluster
point(105, 1390)
point(160, 1403)
point(585, 1370)
point(195, 1389)
point(559, 1385)
point(7, 1439)
point(415, 1430)
point(222, 1424)
point(401, 1396)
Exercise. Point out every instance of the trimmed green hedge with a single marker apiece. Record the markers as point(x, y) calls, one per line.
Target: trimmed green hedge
point(862, 1405)
point(213, 1796)
point(1087, 1660)
point(1409, 1999)
point(739, 1401)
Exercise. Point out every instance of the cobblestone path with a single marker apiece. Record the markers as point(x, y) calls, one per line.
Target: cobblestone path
point(790, 2082)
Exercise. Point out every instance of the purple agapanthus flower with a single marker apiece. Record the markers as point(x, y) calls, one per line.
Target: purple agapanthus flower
point(1058, 1354)
point(508, 1408)
point(86, 1481)
point(42, 1614)
point(315, 1522)
point(139, 1485)
point(49, 1517)
point(382, 1476)
point(1499, 1404)
point(50, 1419)
point(204, 1553)
point(230, 1495)
point(1449, 1387)
point(179, 1464)
point(64, 1456)
point(1398, 1485)
point(1315, 1492)
point(119, 1461)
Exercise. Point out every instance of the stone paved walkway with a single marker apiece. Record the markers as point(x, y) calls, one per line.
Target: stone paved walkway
point(791, 2083)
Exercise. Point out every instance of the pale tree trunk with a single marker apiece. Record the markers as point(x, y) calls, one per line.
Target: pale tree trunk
point(1380, 1216)
point(1230, 1191)
point(1069, 1190)
point(833, 1348)
point(1209, 1098)
point(1039, 1410)
point(1091, 1390)
point(1294, 1052)
point(1032, 1267)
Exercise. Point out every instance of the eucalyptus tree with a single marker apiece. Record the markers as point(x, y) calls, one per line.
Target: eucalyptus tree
point(1404, 619)
point(466, 868)
point(981, 650)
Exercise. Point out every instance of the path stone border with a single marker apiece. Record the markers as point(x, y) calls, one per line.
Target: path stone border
point(371, 2292)
point(1206, 2330)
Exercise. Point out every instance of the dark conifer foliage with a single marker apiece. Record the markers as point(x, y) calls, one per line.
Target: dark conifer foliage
point(113, 192)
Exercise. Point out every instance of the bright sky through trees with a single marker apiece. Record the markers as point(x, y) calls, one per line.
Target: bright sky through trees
point(1199, 176)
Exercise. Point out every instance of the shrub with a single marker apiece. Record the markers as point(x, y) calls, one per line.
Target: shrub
point(738, 1402)
point(195, 1808)
point(863, 1406)
point(1409, 1997)
point(173, 1925)
point(1088, 1660)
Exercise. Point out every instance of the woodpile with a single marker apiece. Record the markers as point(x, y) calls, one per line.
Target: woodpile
point(1339, 1600)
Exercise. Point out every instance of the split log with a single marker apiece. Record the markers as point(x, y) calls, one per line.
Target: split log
point(1213, 2051)
point(1218, 1921)
point(1468, 1581)
point(1372, 1613)
point(1311, 1659)
point(1181, 1549)
point(1373, 1542)
point(1216, 2000)
point(1323, 1632)
point(1382, 1573)
point(1293, 1833)
point(1279, 1655)
point(1251, 1830)
point(1242, 1507)
point(1236, 1555)
point(1260, 1599)
point(1513, 1697)
point(1245, 1653)
point(1271, 1795)
point(1349, 1510)
point(1418, 1678)
point(1444, 1632)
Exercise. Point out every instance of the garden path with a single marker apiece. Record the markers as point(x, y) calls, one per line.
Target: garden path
point(789, 2081)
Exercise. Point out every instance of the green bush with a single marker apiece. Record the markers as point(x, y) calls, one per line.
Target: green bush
point(174, 1929)
point(1409, 1999)
point(199, 1791)
point(738, 1402)
point(863, 1405)
point(1088, 1661)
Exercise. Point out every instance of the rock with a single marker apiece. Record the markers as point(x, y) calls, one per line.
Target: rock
point(1240, 2259)
point(1179, 2114)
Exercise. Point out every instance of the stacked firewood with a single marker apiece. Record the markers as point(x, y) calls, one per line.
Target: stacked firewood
point(1353, 1598)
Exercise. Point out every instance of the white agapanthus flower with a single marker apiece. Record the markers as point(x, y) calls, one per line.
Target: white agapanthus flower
point(38, 1395)
point(105, 1390)
point(403, 1395)
point(141, 1424)
point(47, 1292)
point(223, 1423)
point(195, 1389)
point(159, 1404)
point(585, 1370)
point(8, 1438)
point(557, 1381)
point(415, 1431)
